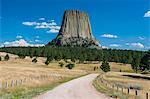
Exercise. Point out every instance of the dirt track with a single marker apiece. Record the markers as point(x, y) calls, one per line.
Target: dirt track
point(80, 88)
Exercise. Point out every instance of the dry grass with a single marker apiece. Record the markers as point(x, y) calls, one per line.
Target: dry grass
point(16, 68)
point(124, 81)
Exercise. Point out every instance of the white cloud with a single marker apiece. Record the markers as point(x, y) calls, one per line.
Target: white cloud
point(127, 44)
point(104, 47)
point(147, 14)
point(19, 37)
point(42, 19)
point(141, 38)
point(41, 27)
point(53, 31)
point(148, 47)
point(109, 36)
point(114, 45)
point(37, 36)
point(29, 23)
point(55, 27)
point(20, 42)
point(37, 40)
point(51, 25)
point(135, 45)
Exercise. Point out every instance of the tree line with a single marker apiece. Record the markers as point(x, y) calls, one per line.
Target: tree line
point(81, 54)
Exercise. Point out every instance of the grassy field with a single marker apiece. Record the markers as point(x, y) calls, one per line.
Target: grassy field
point(124, 80)
point(16, 68)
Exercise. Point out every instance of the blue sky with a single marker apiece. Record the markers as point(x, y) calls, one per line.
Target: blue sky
point(122, 24)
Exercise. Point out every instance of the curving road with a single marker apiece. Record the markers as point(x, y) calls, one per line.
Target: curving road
point(80, 88)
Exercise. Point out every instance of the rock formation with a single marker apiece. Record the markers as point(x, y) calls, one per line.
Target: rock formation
point(75, 31)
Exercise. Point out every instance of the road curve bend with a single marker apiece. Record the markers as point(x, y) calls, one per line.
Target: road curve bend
point(80, 88)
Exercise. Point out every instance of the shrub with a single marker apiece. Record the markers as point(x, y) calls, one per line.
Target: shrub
point(61, 64)
point(70, 66)
point(48, 60)
point(6, 57)
point(34, 60)
point(105, 66)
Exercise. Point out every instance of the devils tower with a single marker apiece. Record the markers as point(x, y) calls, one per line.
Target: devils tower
point(75, 31)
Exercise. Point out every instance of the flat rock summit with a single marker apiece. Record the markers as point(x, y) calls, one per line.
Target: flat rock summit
point(75, 31)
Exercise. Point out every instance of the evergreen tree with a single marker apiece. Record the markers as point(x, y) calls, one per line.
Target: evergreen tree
point(48, 60)
point(61, 64)
point(6, 57)
point(34, 60)
point(105, 66)
point(145, 62)
point(135, 64)
point(70, 66)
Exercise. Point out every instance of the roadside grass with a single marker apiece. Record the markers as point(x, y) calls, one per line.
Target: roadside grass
point(24, 92)
point(107, 91)
point(139, 84)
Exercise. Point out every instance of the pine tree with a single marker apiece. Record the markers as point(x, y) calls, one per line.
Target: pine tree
point(61, 64)
point(6, 57)
point(145, 62)
point(70, 66)
point(105, 66)
point(135, 64)
point(34, 60)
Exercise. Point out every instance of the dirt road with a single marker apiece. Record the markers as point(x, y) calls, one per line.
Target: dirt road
point(80, 88)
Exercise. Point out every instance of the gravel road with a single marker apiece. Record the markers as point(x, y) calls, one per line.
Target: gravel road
point(80, 88)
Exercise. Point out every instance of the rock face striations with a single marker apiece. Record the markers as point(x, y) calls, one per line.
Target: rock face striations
point(75, 31)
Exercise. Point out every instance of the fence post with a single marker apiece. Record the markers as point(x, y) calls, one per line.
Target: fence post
point(6, 84)
point(16, 83)
point(146, 95)
point(122, 89)
point(128, 90)
point(12, 83)
point(0, 84)
point(117, 88)
point(136, 93)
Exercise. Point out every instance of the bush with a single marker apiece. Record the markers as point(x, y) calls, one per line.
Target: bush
point(47, 62)
point(61, 64)
point(105, 66)
point(6, 58)
point(34, 60)
point(70, 66)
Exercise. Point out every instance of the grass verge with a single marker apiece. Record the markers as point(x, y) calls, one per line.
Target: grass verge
point(107, 91)
point(28, 93)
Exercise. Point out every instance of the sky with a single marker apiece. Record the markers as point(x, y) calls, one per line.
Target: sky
point(120, 24)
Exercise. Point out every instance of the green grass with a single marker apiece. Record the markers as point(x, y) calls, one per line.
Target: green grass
point(28, 93)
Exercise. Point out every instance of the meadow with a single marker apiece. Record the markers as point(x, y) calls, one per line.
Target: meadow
point(40, 77)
